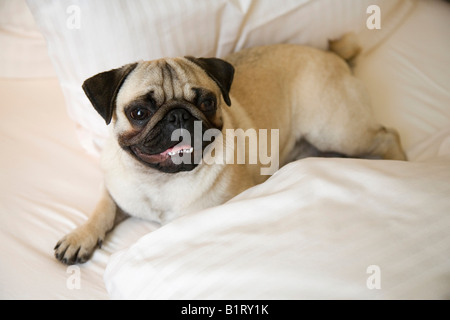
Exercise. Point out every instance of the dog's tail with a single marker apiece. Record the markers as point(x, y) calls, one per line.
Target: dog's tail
point(347, 47)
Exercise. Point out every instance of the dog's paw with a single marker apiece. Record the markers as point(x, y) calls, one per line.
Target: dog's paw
point(78, 246)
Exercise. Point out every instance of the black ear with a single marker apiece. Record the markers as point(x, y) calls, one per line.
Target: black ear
point(102, 89)
point(220, 71)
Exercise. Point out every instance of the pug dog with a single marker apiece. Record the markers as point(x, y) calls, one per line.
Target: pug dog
point(307, 96)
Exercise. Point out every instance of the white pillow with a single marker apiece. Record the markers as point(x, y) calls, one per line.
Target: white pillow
point(87, 37)
point(23, 52)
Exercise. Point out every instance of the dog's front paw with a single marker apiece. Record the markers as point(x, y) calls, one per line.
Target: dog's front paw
point(78, 246)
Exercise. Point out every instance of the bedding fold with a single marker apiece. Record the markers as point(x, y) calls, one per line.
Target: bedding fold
point(312, 231)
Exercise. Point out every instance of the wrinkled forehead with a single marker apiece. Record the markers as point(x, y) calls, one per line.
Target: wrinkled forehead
point(166, 79)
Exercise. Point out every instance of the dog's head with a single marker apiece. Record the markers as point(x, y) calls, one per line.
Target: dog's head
point(147, 101)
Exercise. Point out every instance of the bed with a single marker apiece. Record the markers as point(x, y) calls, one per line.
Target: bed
point(317, 229)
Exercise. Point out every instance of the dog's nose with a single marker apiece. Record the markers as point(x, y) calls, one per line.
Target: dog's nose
point(178, 116)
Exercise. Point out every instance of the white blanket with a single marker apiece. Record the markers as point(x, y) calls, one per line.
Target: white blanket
point(319, 228)
point(328, 228)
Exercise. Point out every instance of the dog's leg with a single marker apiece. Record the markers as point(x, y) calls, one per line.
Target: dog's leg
point(78, 246)
point(386, 145)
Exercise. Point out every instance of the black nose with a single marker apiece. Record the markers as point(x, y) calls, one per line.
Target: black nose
point(178, 116)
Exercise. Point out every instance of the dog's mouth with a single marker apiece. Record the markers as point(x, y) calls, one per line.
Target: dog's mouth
point(180, 157)
point(158, 158)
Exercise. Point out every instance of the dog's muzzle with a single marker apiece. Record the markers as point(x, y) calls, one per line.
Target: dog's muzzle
point(164, 110)
point(169, 117)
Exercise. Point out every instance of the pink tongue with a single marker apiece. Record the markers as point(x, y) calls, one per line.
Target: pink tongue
point(175, 149)
point(161, 157)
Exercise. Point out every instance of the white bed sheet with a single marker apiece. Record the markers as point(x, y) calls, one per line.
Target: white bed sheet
point(48, 186)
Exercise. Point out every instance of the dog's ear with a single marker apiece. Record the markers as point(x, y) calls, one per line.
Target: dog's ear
point(220, 71)
point(102, 89)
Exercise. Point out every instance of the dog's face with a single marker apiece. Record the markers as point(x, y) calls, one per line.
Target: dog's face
point(147, 102)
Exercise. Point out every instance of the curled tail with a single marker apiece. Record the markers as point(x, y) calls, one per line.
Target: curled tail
point(347, 47)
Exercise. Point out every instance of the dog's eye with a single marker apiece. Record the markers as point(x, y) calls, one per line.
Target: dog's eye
point(208, 105)
point(139, 114)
